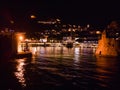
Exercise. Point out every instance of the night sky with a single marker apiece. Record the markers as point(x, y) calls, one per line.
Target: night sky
point(80, 12)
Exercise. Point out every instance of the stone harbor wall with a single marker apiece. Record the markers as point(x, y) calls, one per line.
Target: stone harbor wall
point(6, 47)
point(9, 44)
point(107, 46)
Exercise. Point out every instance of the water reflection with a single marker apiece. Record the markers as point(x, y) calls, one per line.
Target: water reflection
point(106, 64)
point(76, 54)
point(20, 71)
point(107, 68)
point(53, 51)
point(67, 68)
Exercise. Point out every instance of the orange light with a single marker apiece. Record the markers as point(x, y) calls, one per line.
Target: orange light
point(20, 38)
point(32, 16)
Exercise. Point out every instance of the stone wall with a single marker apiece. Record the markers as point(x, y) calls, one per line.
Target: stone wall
point(6, 46)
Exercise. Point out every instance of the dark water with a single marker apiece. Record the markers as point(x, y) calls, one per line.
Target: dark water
point(54, 68)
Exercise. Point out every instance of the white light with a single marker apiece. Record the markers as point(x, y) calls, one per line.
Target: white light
point(88, 26)
point(44, 40)
point(98, 32)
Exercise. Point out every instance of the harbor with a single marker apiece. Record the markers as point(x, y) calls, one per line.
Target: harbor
point(60, 68)
point(59, 45)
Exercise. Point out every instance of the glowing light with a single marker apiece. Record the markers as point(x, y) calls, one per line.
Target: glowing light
point(69, 30)
point(79, 26)
point(117, 33)
point(20, 49)
point(44, 40)
point(34, 50)
point(74, 26)
point(11, 21)
point(58, 20)
point(76, 55)
point(98, 32)
point(20, 38)
point(88, 26)
point(32, 16)
point(20, 72)
point(47, 22)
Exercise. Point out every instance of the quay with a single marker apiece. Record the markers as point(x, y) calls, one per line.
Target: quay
point(9, 45)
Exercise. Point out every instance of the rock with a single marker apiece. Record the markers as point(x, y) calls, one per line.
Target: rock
point(107, 46)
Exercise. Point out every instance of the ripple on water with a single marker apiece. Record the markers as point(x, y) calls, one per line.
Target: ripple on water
point(69, 69)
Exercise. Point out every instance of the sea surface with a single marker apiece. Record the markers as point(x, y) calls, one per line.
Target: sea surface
point(60, 68)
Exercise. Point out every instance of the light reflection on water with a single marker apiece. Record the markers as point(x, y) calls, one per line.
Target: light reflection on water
point(67, 68)
point(108, 72)
point(20, 71)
